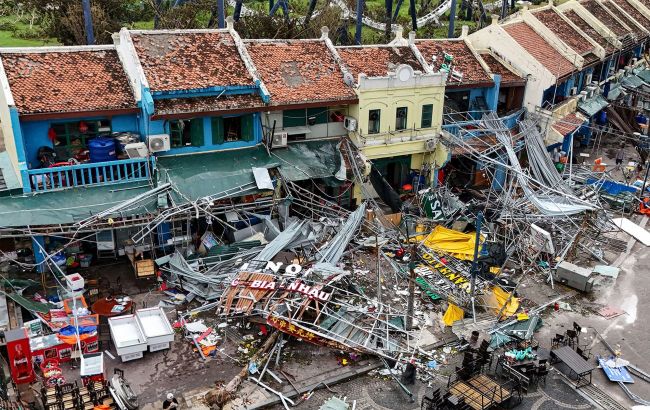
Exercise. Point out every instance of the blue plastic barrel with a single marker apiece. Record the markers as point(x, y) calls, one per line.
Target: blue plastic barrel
point(102, 150)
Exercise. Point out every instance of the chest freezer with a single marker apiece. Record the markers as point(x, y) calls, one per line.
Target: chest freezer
point(156, 328)
point(128, 337)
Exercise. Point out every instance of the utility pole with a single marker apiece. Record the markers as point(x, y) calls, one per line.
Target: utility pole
point(645, 180)
point(357, 34)
point(452, 19)
point(412, 277)
point(474, 271)
point(88, 22)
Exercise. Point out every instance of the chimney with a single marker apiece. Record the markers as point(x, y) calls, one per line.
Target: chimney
point(524, 7)
point(412, 37)
point(550, 3)
point(230, 23)
point(398, 35)
point(324, 33)
point(495, 19)
point(464, 31)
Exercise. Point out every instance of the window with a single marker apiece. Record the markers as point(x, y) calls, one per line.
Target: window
point(303, 117)
point(186, 133)
point(401, 116)
point(75, 135)
point(294, 118)
point(427, 115)
point(230, 129)
point(374, 117)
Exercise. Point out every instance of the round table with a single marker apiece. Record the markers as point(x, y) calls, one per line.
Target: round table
point(104, 307)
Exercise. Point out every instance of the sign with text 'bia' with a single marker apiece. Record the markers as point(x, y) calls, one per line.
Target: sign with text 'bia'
point(313, 292)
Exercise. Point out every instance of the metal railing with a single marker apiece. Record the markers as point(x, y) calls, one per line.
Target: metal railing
point(91, 174)
point(395, 137)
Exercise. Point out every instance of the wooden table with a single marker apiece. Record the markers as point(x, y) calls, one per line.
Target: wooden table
point(576, 364)
point(104, 307)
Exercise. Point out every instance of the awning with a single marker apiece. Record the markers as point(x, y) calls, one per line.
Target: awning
point(200, 175)
point(644, 75)
point(70, 205)
point(309, 159)
point(591, 106)
point(632, 81)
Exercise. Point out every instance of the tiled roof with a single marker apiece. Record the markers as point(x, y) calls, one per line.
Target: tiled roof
point(537, 47)
point(375, 61)
point(190, 60)
point(628, 22)
point(464, 60)
point(632, 11)
point(601, 14)
point(590, 31)
point(67, 81)
point(507, 76)
point(177, 106)
point(301, 71)
point(551, 19)
point(567, 124)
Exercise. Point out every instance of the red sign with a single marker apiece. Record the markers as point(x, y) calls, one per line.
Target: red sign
point(292, 329)
point(20, 356)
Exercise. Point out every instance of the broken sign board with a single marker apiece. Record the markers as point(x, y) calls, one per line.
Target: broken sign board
point(262, 178)
point(637, 232)
point(615, 374)
point(541, 240)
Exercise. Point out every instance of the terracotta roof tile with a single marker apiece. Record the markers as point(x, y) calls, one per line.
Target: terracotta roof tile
point(551, 19)
point(567, 124)
point(67, 81)
point(464, 60)
point(632, 11)
point(301, 71)
point(628, 22)
point(190, 60)
point(507, 76)
point(601, 14)
point(537, 47)
point(590, 31)
point(236, 102)
point(375, 61)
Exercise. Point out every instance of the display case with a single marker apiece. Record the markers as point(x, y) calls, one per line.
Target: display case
point(128, 338)
point(156, 328)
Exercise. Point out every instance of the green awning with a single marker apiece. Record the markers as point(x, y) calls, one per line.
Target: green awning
point(309, 159)
point(592, 105)
point(644, 75)
point(30, 305)
point(70, 205)
point(632, 81)
point(200, 175)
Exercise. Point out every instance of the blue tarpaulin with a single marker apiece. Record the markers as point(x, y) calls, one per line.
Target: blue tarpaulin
point(611, 187)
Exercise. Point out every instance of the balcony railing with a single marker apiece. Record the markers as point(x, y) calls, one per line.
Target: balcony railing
point(395, 137)
point(92, 174)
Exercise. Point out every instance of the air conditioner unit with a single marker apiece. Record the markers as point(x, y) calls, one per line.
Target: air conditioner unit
point(136, 150)
point(279, 140)
point(430, 144)
point(350, 123)
point(158, 143)
point(573, 91)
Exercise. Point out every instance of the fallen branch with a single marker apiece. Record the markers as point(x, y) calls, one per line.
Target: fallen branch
point(219, 396)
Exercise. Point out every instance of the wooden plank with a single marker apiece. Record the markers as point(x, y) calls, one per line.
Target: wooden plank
point(472, 397)
point(489, 388)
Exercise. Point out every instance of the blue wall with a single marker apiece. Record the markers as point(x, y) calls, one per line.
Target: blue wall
point(162, 127)
point(35, 132)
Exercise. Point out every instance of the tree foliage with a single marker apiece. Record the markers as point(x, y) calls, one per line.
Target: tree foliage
point(63, 19)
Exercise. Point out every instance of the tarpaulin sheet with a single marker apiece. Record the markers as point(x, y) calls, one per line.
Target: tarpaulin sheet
point(200, 175)
point(30, 305)
point(309, 159)
point(632, 81)
point(644, 75)
point(497, 298)
point(453, 314)
point(70, 205)
point(458, 244)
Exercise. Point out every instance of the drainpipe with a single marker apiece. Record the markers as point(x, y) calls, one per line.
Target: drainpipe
point(220, 14)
